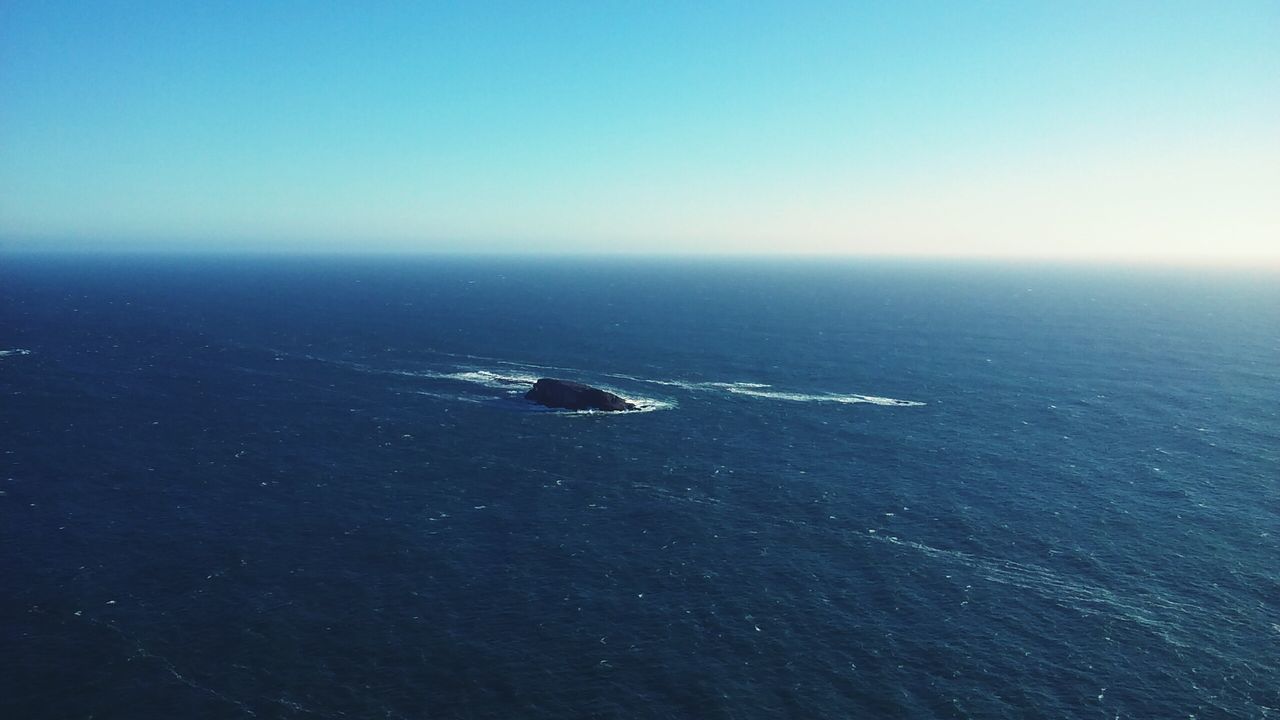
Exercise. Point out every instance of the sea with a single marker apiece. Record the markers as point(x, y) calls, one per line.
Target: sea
point(311, 487)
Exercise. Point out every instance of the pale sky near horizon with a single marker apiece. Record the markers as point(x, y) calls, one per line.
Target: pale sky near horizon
point(1083, 130)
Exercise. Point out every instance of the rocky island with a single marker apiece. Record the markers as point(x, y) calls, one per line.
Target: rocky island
point(570, 395)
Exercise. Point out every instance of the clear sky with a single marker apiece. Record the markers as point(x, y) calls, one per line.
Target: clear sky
point(1058, 129)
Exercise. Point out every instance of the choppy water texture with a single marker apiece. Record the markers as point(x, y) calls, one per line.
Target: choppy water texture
point(306, 488)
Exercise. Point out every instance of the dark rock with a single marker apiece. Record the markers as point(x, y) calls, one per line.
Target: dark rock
point(575, 396)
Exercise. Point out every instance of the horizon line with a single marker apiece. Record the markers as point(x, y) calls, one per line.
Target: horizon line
point(1259, 263)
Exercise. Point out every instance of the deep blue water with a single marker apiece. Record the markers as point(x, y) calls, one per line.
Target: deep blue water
point(309, 488)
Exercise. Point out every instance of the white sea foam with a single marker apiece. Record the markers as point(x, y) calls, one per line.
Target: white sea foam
point(15, 351)
point(448, 396)
point(639, 404)
point(1161, 615)
point(514, 382)
point(515, 377)
point(506, 379)
point(850, 399)
point(490, 379)
point(766, 391)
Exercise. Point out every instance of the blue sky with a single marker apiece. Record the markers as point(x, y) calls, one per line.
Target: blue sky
point(1024, 129)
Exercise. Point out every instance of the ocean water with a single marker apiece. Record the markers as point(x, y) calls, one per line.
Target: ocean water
point(310, 488)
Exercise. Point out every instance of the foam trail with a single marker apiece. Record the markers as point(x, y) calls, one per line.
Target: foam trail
point(641, 404)
point(487, 378)
point(517, 383)
point(15, 351)
point(1081, 597)
point(515, 377)
point(761, 390)
point(448, 396)
point(824, 397)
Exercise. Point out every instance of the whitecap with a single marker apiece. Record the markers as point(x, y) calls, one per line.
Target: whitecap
point(14, 351)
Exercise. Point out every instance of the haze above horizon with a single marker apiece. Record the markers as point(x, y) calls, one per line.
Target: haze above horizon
point(1083, 131)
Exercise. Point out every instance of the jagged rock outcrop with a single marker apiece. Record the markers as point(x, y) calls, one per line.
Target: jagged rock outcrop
point(570, 395)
